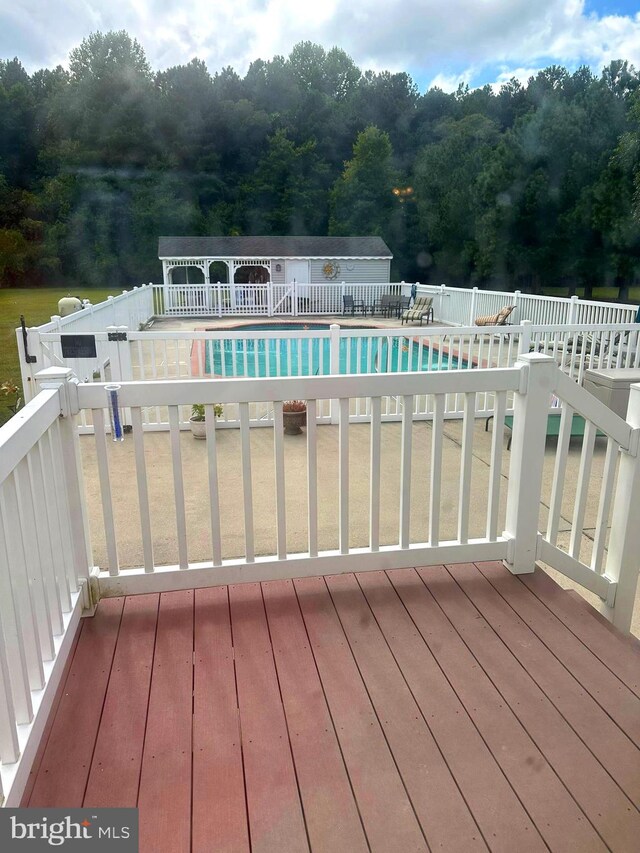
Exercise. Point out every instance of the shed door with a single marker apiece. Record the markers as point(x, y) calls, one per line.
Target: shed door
point(298, 270)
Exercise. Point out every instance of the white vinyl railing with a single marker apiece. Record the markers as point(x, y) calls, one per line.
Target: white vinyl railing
point(607, 330)
point(531, 383)
point(458, 306)
point(44, 572)
point(452, 305)
point(455, 306)
point(45, 550)
point(292, 299)
point(131, 308)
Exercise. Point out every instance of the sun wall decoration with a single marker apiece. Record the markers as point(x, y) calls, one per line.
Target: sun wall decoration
point(331, 270)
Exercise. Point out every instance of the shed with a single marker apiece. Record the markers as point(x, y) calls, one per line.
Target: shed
point(280, 260)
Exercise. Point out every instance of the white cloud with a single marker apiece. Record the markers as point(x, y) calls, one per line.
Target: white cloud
point(520, 74)
point(436, 42)
point(450, 82)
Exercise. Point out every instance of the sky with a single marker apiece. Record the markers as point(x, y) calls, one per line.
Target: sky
point(438, 42)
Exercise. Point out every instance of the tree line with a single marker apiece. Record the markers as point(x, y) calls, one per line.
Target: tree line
point(523, 186)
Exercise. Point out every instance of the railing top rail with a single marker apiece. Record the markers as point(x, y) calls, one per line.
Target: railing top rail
point(25, 428)
point(265, 389)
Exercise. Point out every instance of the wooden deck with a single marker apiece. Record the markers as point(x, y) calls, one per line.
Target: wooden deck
point(455, 708)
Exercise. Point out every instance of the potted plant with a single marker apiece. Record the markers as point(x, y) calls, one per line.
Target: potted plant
point(294, 413)
point(197, 419)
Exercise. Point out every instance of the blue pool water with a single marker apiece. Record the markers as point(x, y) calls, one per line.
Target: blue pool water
point(310, 356)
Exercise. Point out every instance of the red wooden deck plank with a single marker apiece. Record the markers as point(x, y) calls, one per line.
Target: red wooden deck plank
point(275, 815)
point(330, 810)
point(490, 797)
point(598, 680)
point(387, 814)
point(621, 657)
point(37, 761)
point(598, 731)
point(550, 806)
point(443, 814)
point(165, 781)
point(219, 805)
point(628, 639)
point(117, 759)
point(604, 804)
point(63, 772)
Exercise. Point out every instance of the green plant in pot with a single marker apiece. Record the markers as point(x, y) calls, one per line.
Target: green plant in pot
point(197, 420)
point(294, 414)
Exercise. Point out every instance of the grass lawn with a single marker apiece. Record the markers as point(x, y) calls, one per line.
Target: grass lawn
point(37, 305)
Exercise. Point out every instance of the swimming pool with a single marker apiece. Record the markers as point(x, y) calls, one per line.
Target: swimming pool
point(311, 356)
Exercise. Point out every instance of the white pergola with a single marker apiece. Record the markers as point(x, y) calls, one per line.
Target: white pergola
point(204, 264)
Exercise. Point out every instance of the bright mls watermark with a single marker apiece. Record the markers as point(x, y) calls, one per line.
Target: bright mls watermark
point(100, 830)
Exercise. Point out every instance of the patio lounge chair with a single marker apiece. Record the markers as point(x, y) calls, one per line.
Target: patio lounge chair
point(349, 304)
point(499, 319)
point(422, 308)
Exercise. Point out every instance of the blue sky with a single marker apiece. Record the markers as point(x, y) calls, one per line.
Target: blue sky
point(438, 43)
point(612, 7)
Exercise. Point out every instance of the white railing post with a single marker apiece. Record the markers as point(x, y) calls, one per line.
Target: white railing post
point(270, 299)
point(294, 297)
point(573, 311)
point(516, 301)
point(472, 311)
point(64, 380)
point(623, 557)
point(531, 407)
point(334, 366)
point(524, 344)
point(443, 291)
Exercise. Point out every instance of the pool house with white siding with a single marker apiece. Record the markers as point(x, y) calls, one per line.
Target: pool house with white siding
point(279, 260)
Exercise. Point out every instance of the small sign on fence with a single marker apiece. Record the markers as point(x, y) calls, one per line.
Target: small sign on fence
point(78, 346)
